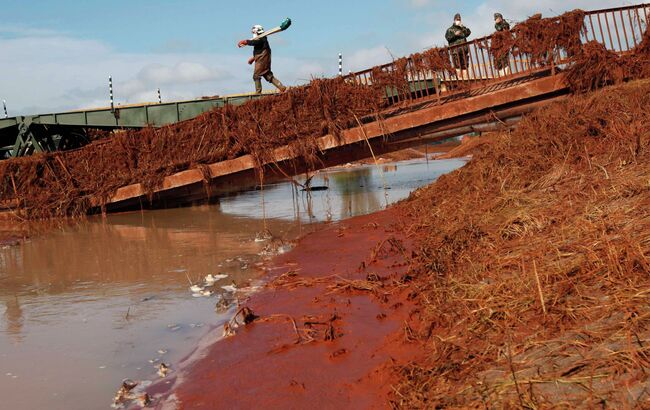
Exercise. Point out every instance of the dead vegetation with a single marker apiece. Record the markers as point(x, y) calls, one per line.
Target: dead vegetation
point(541, 38)
point(596, 66)
point(531, 268)
point(63, 184)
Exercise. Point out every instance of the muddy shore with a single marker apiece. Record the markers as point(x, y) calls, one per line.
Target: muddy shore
point(329, 327)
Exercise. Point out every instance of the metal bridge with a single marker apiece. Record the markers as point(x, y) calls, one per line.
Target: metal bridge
point(435, 107)
point(25, 135)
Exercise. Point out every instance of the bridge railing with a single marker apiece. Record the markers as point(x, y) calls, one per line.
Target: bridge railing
point(619, 29)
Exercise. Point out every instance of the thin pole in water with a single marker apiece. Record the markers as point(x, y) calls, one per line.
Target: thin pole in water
point(4, 105)
point(340, 64)
point(110, 91)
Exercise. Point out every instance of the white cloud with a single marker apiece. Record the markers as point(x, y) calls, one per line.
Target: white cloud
point(366, 58)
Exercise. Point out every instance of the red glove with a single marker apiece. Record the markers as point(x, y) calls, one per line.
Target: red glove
point(242, 43)
point(251, 60)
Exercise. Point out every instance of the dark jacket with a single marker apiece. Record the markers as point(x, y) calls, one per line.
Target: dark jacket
point(452, 38)
point(259, 45)
point(502, 26)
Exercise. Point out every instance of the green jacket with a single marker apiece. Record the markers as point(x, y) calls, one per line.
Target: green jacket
point(453, 38)
point(502, 26)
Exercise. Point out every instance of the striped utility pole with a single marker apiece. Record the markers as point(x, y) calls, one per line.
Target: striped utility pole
point(4, 105)
point(159, 97)
point(340, 65)
point(110, 91)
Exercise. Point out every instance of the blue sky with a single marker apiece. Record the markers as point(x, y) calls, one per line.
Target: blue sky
point(56, 55)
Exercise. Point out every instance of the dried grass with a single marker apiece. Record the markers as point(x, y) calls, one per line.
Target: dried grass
point(532, 264)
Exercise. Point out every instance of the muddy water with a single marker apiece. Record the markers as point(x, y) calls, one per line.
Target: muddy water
point(87, 304)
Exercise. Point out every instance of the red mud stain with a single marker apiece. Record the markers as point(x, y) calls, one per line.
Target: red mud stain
point(264, 365)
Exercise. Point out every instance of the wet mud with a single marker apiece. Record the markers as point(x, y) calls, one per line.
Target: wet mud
point(328, 325)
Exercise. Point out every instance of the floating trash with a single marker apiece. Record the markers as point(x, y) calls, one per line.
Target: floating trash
point(131, 391)
point(163, 370)
point(263, 236)
point(223, 305)
point(315, 189)
point(230, 288)
point(196, 288)
point(162, 352)
point(152, 361)
point(212, 279)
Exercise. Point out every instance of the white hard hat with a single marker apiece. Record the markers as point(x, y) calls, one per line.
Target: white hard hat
point(257, 30)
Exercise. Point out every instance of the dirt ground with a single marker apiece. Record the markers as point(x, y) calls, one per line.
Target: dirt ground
point(330, 325)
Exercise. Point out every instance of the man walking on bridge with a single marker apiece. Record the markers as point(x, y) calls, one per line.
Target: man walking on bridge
point(458, 34)
point(262, 59)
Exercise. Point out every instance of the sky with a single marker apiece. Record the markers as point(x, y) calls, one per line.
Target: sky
point(57, 55)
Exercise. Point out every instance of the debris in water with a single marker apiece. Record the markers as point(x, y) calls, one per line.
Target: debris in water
point(163, 370)
point(196, 288)
point(203, 294)
point(315, 189)
point(144, 400)
point(212, 279)
point(244, 314)
point(223, 305)
point(124, 394)
point(162, 351)
point(228, 331)
point(230, 288)
point(263, 236)
point(152, 361)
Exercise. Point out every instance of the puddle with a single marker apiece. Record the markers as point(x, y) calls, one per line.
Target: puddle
point(87, 305)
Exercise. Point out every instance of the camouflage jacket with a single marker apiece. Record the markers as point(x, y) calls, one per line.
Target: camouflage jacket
point(453, 38)
point(502, 26)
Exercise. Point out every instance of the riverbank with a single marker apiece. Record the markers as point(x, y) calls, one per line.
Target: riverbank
point(521, 280)
point(330, 323)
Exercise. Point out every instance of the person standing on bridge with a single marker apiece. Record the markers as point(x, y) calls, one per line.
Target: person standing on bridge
point(262, 59)
point(458, 34)
point(502, 63)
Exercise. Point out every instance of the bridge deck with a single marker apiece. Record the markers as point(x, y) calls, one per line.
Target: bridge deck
point(408, 126)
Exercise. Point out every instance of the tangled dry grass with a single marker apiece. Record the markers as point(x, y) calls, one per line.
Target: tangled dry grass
point(539, 38)
point(63, 183)
point(532, 268)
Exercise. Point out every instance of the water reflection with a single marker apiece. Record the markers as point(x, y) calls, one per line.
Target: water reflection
point(13, 318)
point(351, 192)
point(349, 185)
